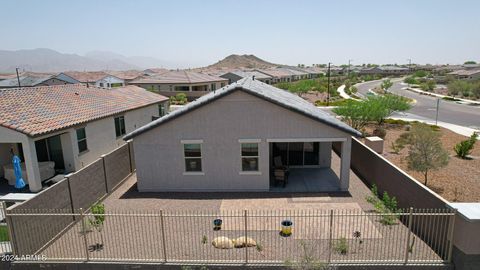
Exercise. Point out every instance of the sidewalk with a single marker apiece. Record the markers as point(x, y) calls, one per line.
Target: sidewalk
point(465, 131)
point(421, 92)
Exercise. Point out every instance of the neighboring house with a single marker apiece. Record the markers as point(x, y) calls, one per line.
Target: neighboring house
point(170, 83)
point(127, 76)
point(60, 129)
point(278, 74)
point(313, 72)
point(464, 74)
point(94, 78)
point(237, 75)
point(29, 79)
point(154, 71)
point(385, 71)
point(231, 139)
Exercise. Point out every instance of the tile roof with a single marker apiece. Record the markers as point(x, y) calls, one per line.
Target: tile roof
point(26, 80)
point(462, 72)
point(276, 72)
point(87, 76)
point(178, 76)
point(126, 74)
point(39, 110)
point(262, 90)
point(249, 74)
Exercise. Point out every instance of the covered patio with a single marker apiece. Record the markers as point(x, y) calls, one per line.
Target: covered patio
point(309, 165)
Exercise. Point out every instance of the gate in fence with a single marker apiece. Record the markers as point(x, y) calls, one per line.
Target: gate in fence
point(252, 237)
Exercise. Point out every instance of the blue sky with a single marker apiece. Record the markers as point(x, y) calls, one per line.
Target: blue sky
point(195, 33)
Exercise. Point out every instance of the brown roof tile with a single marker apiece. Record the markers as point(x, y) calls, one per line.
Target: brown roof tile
point(38, 110)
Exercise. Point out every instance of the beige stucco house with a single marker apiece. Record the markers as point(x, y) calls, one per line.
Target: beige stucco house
point(233, 138)
point(60, 129)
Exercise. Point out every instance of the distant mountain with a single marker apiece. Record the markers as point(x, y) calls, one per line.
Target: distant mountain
point(241, 61)
point(142, 62)
point(46, 60)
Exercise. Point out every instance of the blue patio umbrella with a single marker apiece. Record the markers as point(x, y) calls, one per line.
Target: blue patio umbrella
point(19, 183)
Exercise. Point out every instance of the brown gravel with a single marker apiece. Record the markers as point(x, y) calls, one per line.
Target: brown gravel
point(458, 181)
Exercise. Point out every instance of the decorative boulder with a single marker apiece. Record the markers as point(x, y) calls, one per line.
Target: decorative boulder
point(242, 242)
point(222, 242)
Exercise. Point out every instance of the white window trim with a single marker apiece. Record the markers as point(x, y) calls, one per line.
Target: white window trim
point(257, 172)
point(249, 140)
point(191, 141)
point(185, 172)
point(309, 140)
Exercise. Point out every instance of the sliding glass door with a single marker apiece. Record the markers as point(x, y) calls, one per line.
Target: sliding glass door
point(297, 154)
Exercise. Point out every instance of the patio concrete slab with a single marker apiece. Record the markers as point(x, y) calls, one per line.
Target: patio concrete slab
point(310, 180)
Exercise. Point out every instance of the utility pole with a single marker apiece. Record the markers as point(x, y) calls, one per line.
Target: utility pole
point(18, 78)
point(409, 64)
point(348, 70)
point(438, 107)
point(328, 85)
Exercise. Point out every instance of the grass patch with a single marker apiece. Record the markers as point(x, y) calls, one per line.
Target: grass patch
point(4, 233)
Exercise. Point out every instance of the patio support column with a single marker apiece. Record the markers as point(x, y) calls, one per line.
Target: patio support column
point(31, 166)
point(345, 164)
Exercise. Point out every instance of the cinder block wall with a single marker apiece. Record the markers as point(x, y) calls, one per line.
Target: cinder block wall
point(79, 190)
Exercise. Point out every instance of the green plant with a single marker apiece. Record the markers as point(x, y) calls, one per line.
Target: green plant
point(396, 147)
point(380, 132)
point(341, 246)
point(204, 239)
point(386, 84)
point(4, 233)
point(307, 261)
point(396, 122)
point(410, 80)
point(386, 206)
point(464, 148)
point(426, 152)
point(98, 214)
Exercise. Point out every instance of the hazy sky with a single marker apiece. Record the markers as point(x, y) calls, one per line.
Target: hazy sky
point(288, 32)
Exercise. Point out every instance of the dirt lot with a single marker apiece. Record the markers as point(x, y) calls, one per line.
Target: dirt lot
point(459, 181)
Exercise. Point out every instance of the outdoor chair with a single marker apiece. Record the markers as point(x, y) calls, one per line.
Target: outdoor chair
point(280, 171)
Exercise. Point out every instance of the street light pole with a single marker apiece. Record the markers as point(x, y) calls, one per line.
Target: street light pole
point(328, 85)
point(409, 64)
point(438, 107)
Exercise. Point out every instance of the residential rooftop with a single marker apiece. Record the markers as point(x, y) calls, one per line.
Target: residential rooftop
point(87, 76)
point(178, 76)
point(39, 110)
point(259, 89)
point(249, 74)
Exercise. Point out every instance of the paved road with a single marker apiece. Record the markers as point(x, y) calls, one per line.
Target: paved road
point(425, 107)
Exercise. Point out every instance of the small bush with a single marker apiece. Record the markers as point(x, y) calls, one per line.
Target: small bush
point(396, 122)
point(450, 99)
point(380, 132)
point(341, 246)
point(387, 206)
point(464, 148)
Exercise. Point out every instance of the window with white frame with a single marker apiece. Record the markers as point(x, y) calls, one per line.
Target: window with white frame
point(193, 157)
point(249, 157)
point(81, 140)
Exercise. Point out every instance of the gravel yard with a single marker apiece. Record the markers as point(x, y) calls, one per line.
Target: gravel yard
point(458, 181)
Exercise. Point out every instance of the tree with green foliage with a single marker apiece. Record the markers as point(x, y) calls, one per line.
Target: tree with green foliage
point(470, 62)
point(385, 105)
point(410, 80)
point(426, 152)
point(464, 148)
point(428, 85)
point(458, 87)
point(386, 84)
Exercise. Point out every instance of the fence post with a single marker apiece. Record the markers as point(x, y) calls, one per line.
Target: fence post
point(246, 241)
point(105, 172)
point(409, 234)
point(450, 236)
point(330, 237)
point(84, 231)
point(11, 234)
point(164, 243)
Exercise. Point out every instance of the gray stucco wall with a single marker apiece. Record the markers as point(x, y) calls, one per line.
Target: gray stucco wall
point(220, 124)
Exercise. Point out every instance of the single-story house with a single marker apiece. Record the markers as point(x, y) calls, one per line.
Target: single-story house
point(93, 78)
point(30, 79)
point(278, 74)
point(234, 138)
point(237, 75)
point(385, 71)
point(60, 129)
point(466, 74)
point(126, 75)
point(170, 83)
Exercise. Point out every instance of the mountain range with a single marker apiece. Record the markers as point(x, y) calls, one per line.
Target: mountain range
point(47, 60)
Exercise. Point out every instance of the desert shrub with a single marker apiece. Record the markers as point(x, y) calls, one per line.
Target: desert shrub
point(386, 206)
point(410, 80)
point(341, 246)
point(396, 122)
point(380, 132)
point(464, 148)
point(179, 99)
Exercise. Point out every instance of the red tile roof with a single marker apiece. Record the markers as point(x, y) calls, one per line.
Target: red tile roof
point(87, 76)
point(179, 76)
point(39, 110)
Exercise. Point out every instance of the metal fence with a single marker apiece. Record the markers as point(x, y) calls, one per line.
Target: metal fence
point(330, 236)
point(5, 246)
